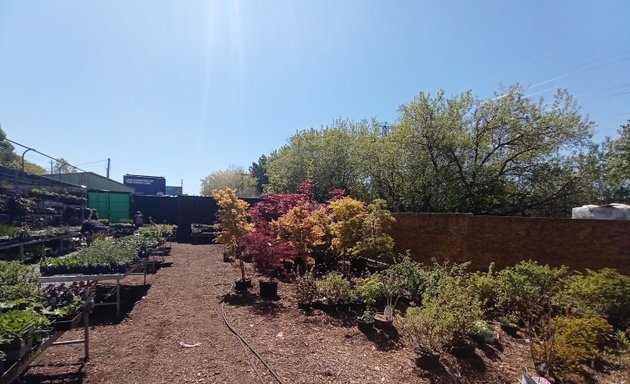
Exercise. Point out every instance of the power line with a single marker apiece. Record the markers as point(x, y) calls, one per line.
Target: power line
point(60, 161)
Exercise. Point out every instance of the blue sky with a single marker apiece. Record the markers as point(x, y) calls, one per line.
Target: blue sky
point(183, 88)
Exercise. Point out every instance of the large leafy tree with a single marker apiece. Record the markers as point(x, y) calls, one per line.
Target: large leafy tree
point(232, 177)
point(505, 155)
point(326, 156)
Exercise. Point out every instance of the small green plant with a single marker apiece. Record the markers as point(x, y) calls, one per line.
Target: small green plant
point(371, 290)
point(481, 329)
point(16, 323)
point(8, 231)
point(366, 316)
point(335, 289)
point(18, 282)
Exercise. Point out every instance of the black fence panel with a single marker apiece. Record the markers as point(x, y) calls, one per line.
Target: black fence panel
point(161, 209)
point(193, 209)
point(180, 210)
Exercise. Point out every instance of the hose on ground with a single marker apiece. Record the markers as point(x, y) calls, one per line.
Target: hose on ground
point(243, 341)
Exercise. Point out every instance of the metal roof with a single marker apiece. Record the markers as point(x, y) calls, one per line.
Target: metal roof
point(93, 181)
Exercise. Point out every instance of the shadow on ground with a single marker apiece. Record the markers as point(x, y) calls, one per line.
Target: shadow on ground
point(383, 339)
point(129, 296)
point(75, 375)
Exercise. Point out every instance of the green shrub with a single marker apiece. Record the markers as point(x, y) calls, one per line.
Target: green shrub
point(438, 275)
point(526, 288)
point(371, 290)
point(305, 289)
point(577, 341)
point(444, 319)
point(485, 287)
point(412, 276)
point(603, 293)
point(336, 289)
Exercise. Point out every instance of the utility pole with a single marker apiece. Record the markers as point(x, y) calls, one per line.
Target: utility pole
point(108, 164)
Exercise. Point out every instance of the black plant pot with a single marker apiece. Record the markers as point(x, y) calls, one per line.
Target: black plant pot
point(463, 349)
point(305, 306)
point(243, 285)
point(427, 360)
point(382, 322)
point(365, 325)
point(268, 289)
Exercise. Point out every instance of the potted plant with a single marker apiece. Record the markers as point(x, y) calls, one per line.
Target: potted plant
point(231, 222)
point(267, 254)
point(425, 335)
point(393, 283)
point(303, 227)
point(365, 322)
point(305, 291)
point(336, 290)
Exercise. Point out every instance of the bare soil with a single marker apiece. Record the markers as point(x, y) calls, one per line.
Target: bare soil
point(173, 331)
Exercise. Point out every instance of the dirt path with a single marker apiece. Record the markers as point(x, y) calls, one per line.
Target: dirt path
point(183, 304)
point(180, 306)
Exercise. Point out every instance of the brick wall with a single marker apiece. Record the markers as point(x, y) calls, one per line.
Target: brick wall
point(578, 244)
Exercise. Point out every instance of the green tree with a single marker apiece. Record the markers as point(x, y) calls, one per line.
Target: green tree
point(10, 159)
point(232, 177)
point(617, 165)
point(61, 166)
point(258, 171)
point(506, 155)
point(325, 156)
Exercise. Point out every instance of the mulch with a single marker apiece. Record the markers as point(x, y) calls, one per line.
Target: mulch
point(173, 331)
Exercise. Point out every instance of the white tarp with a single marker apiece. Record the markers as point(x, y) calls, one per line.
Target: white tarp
point(602, 212)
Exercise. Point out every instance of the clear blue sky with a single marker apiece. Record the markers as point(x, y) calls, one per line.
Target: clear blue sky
point(183, 88)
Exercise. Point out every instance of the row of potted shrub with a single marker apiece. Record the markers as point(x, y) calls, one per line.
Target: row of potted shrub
point(10, 234)
point(447, 308)
point(101, 257)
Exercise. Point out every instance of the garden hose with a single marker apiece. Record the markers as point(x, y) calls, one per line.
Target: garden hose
point(245, 343)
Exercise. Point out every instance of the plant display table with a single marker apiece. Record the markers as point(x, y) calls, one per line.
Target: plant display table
point(104, 277)
point(22, 244)
point(17, 368)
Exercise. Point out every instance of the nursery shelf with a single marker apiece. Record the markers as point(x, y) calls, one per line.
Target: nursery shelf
point(19, 367)
point(102, 277)
point(21, 245)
